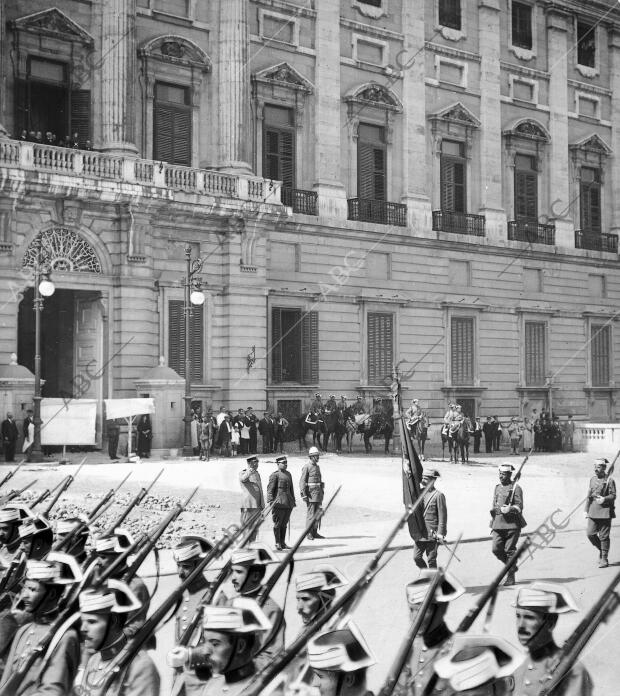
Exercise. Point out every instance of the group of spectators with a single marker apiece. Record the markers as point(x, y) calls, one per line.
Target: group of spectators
point(541, 433)
point(50, 138)
point(228, 434)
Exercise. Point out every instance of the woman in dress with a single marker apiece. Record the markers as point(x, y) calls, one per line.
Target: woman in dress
point(528, 435)
point(145, 435)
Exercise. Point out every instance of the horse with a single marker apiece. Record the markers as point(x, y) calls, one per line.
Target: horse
point(317, 427)
point(333, 425)
point(419, 431)
point(445, 440)
point(459, 434)
point(378, 424)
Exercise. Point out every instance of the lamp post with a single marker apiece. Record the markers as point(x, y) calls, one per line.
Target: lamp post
point(193, 296)
point(43, 287)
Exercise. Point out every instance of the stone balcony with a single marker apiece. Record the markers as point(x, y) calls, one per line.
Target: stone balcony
point(88, 164)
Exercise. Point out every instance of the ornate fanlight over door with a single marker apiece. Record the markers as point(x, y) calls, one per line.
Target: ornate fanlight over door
point(64, 251)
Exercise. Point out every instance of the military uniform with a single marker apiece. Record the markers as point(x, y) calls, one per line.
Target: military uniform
point(140, 678)
point(418, 673)
point(532, 675)
point(312, 490)
point(506, 528)
point(600, 515)
point(253, 498)
point(280, 491)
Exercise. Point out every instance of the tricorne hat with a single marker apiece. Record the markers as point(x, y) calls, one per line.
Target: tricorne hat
point(341, 650)
point(56, 569)
point(256, 553)
point(448, 590)
point(506, 467)
point(8, 514)
point(68, 524)
point(116, 598)
point(430, 473)
point(279, 460)
point(320, 579)
point(545, 597)
point(244, 616)
point(115, 543)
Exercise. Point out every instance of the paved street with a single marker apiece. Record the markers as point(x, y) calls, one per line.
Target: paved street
point(365, 510)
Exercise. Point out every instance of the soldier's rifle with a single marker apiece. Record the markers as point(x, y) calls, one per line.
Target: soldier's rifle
point(126, 655)
point(140, 496)
point(67, 542)
point(64, 486)
point(14, 572)
point(475, 611)
point(15, 494)
point(605, 488)
point(569, 653)
point(341, 605)
point(9, 475)
point(107, 497)
point(517, 476)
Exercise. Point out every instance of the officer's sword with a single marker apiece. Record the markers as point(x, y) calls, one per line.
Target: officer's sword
point(451, 549)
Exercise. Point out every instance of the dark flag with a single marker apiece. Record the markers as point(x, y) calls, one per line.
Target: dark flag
point(412, 476)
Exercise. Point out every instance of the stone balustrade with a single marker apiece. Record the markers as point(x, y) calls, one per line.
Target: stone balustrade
point(98, 165)
point(598, 438)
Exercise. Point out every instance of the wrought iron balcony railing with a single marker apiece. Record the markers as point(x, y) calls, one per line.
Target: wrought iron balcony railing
point(381, 212)
point(304, 202)
point(460, 223)
point(596, 241)
point(531, 231)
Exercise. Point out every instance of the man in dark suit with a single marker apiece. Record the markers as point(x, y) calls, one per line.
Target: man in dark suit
point(9, 437)
point(266, 430)
point(435, 519)
point(489, 434)
point(280, 489)
point(251, 422)
point(477, 435)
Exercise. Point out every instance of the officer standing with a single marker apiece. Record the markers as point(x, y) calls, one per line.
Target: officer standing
point(312, 490)
point(435, 518)
point(600, 510)
point(507, 519)
point(281, 493)
point(252, 486)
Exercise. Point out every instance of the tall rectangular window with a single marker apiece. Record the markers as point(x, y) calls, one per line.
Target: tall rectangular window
point(176, 339)
point(452, 175)
point(371, 162)
point(294, 345)
point(462, 350)
point(535, 353)
point(600, 350)
point(522, 25)
point(526, 189)
point(449, 12)
point(380, 346)
point(279, 145)
point(172, 124)
point(586, 44)
point(590, 200)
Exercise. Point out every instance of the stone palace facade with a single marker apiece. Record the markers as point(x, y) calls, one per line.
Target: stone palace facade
point(369, 182)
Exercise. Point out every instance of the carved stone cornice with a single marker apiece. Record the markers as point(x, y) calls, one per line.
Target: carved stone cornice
point(54, 24)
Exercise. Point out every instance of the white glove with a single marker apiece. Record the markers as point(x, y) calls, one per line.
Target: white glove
point(440, 538)
point(599, 499)
point(505, 509)
point(177, 657)
point(585, 514)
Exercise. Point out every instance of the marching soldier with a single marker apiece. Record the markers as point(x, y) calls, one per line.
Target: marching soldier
point(434, 639)
point(252, 487)
point(102, 617)
point(78, 547)
point(108, 549)
point(312, 490)
point(538, 607)
point(436, 519)
point(315, 591)
point(280, 491)
point(36, 538)
point(478, 666)
point(41, 595)
point(10, 520)
point(506, 513)
point(229, 641)
point(600, 510)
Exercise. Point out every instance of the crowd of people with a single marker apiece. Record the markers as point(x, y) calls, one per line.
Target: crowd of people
point(50, 138)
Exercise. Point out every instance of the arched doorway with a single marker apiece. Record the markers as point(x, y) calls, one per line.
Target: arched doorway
point(72, 326)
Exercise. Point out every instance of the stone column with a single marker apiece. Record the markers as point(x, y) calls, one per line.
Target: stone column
point(559, 191)
point(327, 120)
point(614, 84)
point(489, 39)
point(3, 131)
point(118, 76)
point(410, 61)
point(234, 85)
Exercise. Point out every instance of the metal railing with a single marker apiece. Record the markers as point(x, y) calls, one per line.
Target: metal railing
point(531, 231)
point(381, 212)
point(304, 202)
point(596, 241)
point(459, 223)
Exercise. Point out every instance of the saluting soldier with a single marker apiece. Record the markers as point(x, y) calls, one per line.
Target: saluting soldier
point(41, 596)
point(252, 486)
point(537, 607)
point(507, 519)
point(103, 613)
point(281, 493)
point(435, 518)
point(312, 490)
point(600, 510)
point(434, 638)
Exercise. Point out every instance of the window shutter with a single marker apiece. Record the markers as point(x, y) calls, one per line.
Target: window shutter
point(22, 115)
point(600, 355)
point(196, 333)
point(447, 184)
point(526, 196)
point(176, 339)
point(183, 137)
point(287, 160)
point(276, 346)
point(365, 170)
point(172, 134)
point(310, 348)
point(462, 358)
point(450, 13)
point(279, 156)
point(590, 203)
point(163, 133)
point(379, 173)
point(535, 353)
point(380, 347)
point(80, 115)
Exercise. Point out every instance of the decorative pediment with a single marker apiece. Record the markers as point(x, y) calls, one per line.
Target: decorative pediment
point(176, 50)
point(52, 23)
point(594, 144)
point(374, 94)
point(529, 129)
point(284, 75)
point(459, 114)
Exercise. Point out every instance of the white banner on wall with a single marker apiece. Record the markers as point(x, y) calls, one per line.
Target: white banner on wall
point(68, 421)
point(126, 408)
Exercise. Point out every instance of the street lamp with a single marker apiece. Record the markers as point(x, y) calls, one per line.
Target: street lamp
point(193, 296)
point(43, 287)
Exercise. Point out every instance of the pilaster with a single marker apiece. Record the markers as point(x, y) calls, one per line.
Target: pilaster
point(614, 84)
point(327, 121)
point(3, 132)
point(234, 85)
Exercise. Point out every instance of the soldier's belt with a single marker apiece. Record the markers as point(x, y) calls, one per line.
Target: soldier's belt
point(314, 485)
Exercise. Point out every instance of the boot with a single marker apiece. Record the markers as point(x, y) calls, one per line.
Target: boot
point(604, 563)
point(276, 534)
point(510, 579)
